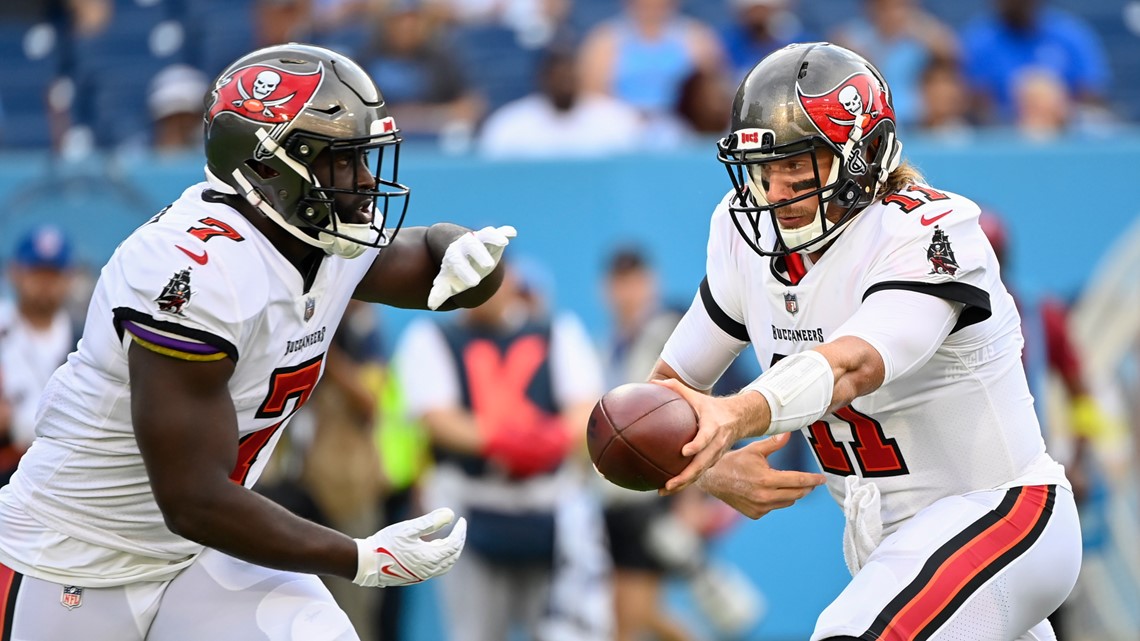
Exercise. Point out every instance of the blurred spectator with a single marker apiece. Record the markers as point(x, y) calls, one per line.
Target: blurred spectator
point(1020, 34)
point(175, 101)
point(504, 395)
point(760, 27)
point(89, 17)
point(9, 453)
point(341, 469)
point(424, 85)
point(644, 54)
point(704, 103)
point(1041, 103)
point(559, 120)
point(651, 537)
point(899, 38)
point(640, 328)
point(343, 25)
point(945, 100)
point(641, 323)
point(1050, 351)
point(536, 23)
point(36, 333)
point(405, 455)
point(281, 21)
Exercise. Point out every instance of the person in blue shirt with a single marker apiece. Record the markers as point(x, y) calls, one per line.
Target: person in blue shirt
point(759, 28)
point(1022, 35)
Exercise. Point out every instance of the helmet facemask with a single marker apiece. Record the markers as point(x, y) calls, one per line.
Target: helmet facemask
point(335, 208)
point(338, 215)
point(748, 169)
point(809, 101)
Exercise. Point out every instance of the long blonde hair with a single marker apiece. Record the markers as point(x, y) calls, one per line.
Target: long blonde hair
point(903, 175)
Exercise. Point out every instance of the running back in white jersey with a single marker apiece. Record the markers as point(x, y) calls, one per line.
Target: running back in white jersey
point(963, 421)
point(197, 282)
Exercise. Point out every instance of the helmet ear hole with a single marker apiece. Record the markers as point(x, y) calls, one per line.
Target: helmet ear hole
point(848, 195)
point(263, 171)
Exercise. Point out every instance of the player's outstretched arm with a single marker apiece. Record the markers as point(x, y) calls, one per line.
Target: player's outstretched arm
point(442, 267)
point(741, 478)
point(186, 427)
point(792, 394)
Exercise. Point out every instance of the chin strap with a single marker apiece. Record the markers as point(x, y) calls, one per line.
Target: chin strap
point(361, 233)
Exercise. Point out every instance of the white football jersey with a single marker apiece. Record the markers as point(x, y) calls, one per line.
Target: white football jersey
point(964, 420)
point(197, 282)
point(28, 356)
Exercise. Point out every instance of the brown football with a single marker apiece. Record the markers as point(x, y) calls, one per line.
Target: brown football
point(636, 432)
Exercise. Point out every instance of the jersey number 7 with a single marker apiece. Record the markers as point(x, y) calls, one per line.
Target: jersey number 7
point(296, 382)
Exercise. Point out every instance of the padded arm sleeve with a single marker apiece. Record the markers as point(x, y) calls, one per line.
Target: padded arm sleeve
point(887, 320)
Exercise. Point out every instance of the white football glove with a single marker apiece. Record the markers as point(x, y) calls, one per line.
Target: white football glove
point(467, 261)
point(398, 555)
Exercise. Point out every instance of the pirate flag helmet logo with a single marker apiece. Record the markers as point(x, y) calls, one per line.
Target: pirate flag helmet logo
point(857, 101)
point(264, 93)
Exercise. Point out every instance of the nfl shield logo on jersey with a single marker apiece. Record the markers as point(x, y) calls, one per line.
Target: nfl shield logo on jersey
point(791, 304)
point(310, 308)
point(72, 597)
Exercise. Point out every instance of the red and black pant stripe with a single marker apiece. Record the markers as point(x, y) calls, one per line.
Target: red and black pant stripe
point(9, 587)
point(964, 564)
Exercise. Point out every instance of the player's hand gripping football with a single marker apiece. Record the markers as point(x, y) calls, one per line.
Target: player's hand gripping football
point(398, 555)
point(467, 261)
point(721, 423)
point(744, 480)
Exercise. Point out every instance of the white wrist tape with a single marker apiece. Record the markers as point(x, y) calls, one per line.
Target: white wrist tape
point(798, 390)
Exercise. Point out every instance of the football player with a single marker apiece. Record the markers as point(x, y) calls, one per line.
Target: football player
point(874, 302)
point(131, 516)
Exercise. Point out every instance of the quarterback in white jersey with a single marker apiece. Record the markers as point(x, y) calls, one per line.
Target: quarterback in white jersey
point(875, 303)
point(207, 331)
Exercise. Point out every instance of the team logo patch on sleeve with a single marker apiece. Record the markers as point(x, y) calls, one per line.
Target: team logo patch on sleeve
point(940, 254)
point(176, 295)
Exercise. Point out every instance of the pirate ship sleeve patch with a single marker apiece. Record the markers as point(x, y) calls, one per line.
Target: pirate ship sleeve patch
point(166, 300)
point(937, 248)
point(940, 242)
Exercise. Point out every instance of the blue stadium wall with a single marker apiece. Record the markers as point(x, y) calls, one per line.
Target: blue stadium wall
point(1065, 203)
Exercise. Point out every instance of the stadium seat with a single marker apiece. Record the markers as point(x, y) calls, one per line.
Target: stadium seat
point(218, 32)
point(31, 59)
point(500, 68)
